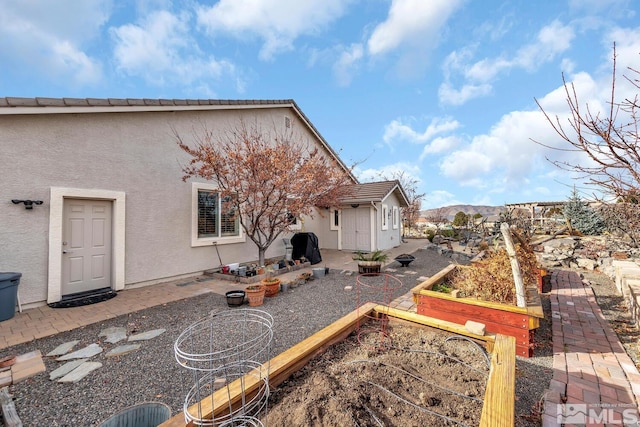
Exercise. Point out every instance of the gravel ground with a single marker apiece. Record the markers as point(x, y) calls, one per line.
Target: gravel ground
point(152, 373)
point(616, 311)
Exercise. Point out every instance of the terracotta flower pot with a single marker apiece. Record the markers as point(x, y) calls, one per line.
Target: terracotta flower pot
point(272, 287)
point(255, 295)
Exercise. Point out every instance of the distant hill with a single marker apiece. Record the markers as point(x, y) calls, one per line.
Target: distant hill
point(450, 212)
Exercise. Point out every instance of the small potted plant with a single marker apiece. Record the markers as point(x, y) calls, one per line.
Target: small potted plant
point(303, 277)
point(271, 285)
point(370, 262)
point(255, 295)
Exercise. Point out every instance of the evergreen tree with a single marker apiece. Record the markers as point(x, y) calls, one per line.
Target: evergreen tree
point(461, 219)
point(581, 216)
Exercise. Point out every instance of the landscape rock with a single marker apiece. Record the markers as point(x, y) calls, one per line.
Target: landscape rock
point(146, 335)
point(122, 350)
point(475, 327)
point(586, 263)
point(63, 348)
point(114, 334)
point(80, 372)
point(84, 353)
point(65, 369)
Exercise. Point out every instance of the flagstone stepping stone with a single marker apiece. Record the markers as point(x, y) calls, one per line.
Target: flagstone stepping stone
point(63, 348)
point(122, 350)
point(114, 334)
point(84, 353)
point(65, 369)
point(146, 335)
point(80, 372)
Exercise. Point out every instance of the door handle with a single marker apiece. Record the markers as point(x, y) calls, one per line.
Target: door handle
point(66, 252)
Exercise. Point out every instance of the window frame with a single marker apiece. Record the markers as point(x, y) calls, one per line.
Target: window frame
point(334, 219)
point(385, 219)
point(295, 223)
point(395, 216)
point(197, 241)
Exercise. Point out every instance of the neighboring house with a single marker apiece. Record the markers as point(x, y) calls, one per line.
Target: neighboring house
point(422, 222)
point(115, 212)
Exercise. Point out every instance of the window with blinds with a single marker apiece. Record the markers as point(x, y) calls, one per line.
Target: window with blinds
point(216, 217)
point(229, 221)
point(207, 214)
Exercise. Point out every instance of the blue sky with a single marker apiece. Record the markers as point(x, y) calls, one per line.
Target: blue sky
point(443, 90)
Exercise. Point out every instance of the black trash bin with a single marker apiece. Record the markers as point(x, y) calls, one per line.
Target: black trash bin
point(8, 294)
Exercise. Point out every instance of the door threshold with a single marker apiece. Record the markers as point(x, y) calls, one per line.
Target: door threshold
point(84, 298)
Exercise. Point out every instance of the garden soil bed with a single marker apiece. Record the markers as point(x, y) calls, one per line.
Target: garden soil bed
point(416, 378)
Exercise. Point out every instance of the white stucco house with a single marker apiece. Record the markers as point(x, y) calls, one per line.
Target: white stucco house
point(114, 212)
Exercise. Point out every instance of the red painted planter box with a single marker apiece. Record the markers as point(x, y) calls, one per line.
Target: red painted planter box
point(518, 322)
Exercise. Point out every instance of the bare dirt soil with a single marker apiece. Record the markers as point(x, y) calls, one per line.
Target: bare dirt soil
point(413, 377)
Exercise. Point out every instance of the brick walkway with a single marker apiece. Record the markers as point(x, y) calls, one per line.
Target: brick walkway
point(591, 370)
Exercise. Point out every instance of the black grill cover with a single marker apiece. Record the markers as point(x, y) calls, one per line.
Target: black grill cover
point(306, 244)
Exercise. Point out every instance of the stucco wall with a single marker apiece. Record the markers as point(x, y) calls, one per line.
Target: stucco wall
point(134, 153)
point(391, 237)
point(320, 225)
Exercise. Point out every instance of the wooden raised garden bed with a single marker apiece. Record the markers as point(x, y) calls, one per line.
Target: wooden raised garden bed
point(517, 322)
point(497, 409)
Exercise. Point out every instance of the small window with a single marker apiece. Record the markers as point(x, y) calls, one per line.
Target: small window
point(335, 219)
point(395, 218)
point(295, 223)
point(385, 219)
point(214, 217)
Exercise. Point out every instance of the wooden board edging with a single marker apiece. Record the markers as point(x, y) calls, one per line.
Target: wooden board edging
point(498, 409)
point(533, 308)
point(499, 397)
point(436, 323)
point(280, 367)
point(440, 275)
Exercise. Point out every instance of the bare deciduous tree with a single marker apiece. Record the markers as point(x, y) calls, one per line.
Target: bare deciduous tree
point(411, 213)
point(610, 141)
point(438, 218)
point(268, 178)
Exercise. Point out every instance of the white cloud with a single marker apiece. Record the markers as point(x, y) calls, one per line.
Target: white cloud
point(440, 145)
point(161, 50)
point(448, 95)
point(410, 33)
point(439, 198)
point(486, 69)
point(627, 42)
point(347, 64)
point(50, 38)
point(552, 40)
point(410, 172)
point(411, 22)
point(398, 131)
point(507, 158)
point(504, 157)
point(277, 22)
point(477, 77)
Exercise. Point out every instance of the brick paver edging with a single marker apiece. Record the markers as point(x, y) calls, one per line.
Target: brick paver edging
point(593, 377)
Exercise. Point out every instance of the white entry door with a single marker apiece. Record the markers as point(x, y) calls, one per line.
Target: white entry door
point(356, 229)
point(86, 245)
